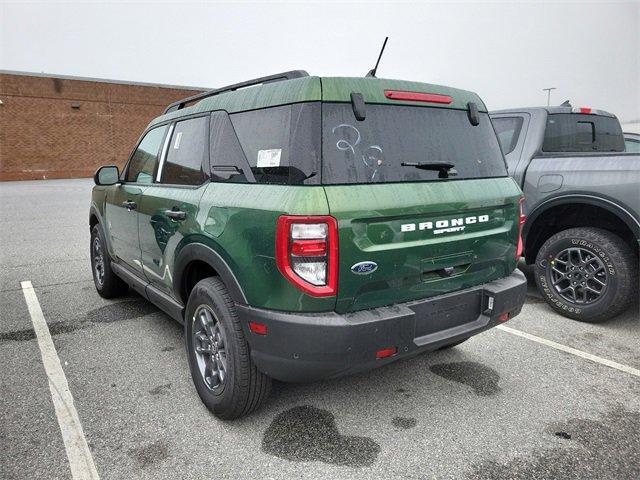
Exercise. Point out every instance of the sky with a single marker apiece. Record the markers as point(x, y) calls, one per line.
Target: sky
point(507, 52)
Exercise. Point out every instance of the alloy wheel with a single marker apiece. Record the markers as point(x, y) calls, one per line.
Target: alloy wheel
point(578, 275)
point(98, 261)
point(209, 345)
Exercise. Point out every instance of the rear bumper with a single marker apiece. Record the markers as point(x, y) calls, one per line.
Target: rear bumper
point(304, 347)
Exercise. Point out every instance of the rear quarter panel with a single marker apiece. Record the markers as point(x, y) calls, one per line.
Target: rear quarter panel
point(239, 222)
point(611, 177)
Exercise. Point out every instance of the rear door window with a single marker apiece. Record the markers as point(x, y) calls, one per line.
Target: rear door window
point(187, 157)
point(142, 165)
point(572, 132)
point(632, 145)
point(373, 150)
point(281, 144)
point(508, 131)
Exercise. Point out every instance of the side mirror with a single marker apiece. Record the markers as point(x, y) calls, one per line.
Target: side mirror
point(107, 175)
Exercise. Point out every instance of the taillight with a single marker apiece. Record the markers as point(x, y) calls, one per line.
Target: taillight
point(588, 110)
point(417, 96)
point(521, 219)
point(307, 253)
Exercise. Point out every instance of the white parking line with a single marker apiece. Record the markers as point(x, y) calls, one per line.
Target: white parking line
point(572, 351)
point(75, 443)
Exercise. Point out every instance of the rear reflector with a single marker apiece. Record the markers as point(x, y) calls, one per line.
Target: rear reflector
point(258, 328)
point(417, 96)
point(386, 352)
point(503, 317)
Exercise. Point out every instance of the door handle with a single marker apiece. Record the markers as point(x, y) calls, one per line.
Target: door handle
point(129, 205)
point(176, 214)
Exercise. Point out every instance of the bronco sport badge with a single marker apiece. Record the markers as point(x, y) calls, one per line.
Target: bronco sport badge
point(445, 226)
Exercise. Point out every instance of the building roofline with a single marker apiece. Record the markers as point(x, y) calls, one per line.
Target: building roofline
point(101, 80)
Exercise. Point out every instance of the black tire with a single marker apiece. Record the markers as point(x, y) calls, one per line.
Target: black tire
point(244, 388)
point(609, 254)
point(453, 344)
point(109, 285)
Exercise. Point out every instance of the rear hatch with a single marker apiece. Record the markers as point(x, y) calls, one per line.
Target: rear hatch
point(422, 198)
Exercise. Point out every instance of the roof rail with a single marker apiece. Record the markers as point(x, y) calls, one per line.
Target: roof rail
point(278, 77)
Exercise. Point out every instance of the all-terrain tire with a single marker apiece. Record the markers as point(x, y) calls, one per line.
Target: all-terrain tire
point(108, 284)
point(620, 265)
point(245, 388)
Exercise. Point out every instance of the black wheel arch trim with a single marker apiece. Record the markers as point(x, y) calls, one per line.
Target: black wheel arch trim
point(564, 199)
point(94, 211)
point(201, 252)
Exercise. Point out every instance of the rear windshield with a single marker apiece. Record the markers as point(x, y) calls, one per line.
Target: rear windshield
point(572, 132)
point(373, 150)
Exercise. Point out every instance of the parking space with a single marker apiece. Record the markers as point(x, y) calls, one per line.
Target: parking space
point(497, 406)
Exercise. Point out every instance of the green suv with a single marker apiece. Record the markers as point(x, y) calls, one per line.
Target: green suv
point(303, 228)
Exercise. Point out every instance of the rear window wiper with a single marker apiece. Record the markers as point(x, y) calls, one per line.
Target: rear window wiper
point(444, 169)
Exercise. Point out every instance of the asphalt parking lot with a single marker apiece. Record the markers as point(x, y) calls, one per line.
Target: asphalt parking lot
point(499, 406)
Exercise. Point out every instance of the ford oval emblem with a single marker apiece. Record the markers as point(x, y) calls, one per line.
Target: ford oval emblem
point(364, 268)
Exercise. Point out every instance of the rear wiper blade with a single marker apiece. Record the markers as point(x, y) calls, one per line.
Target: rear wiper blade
point(444, 169)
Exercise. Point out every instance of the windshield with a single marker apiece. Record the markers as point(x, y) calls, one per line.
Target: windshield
point(373, 150)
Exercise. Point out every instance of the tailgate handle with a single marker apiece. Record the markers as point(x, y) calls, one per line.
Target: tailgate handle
point(445, 272)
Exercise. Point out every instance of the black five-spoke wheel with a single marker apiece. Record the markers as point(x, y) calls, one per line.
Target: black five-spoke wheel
point(209, 344)
point(578, 275)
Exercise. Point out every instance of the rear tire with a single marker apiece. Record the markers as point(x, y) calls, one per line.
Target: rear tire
point(225, 377)
point(587, 274)
point(107, 283)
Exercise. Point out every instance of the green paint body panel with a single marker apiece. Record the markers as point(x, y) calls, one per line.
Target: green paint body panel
point(370, 218)
point(238, 221)
point(161, 237)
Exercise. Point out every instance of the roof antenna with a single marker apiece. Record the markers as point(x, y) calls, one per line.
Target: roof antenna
point(372, 72)
point(566, 103)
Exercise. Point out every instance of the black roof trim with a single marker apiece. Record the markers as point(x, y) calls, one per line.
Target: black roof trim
point(278, 77)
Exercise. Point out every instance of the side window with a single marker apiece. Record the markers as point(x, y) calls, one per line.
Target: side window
point(282, 144)
point(187, 160)
point(228, 163)
point(143, 161)
point(632, 146)
point(508, 131)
